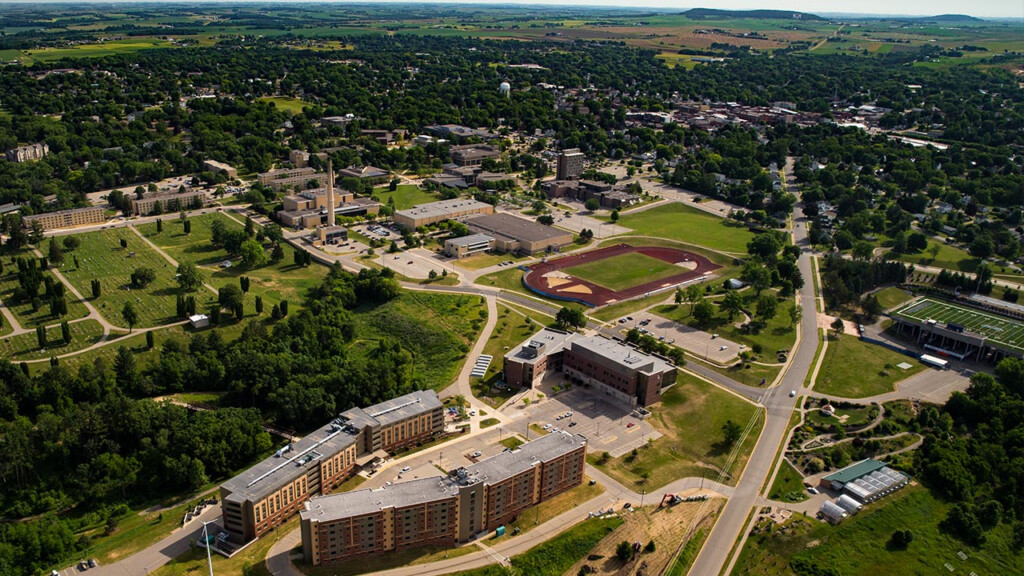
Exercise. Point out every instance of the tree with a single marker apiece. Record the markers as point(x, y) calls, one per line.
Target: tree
point(838, 326)
point(36, 232)
point(253, 255)
point(570, 317)
point(732, 304)
point(615, 215)
point(863, 250)
point(393, 185)
point(143, 277)
point(275, 312)
point(592, 204)
point(243, 283)
point(692, 295)
point(284, 308)
point(982, 247)
point(96, 289)
point(259, 305)
point(731, 432)
point(125, 371)
point(767, 307)
point(189, 277)
point(149, 339)
point(901, 539)
point(41, 336)
point(215, 315)
point(129, 315)
point(188, 226)
point(56, 253)
point(230, 296)
point(159, 225)
point(65, 332)
point(796, 314)
point(71, 243)
point(679, 296)
point(703, 312)
point(546, 219)
point(650, 547)
point(277, 254)
point(624, 551)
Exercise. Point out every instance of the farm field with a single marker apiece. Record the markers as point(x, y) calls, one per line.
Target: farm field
point(101, 257)
point(676, 221)
point(876, 371)
point(859, 544)
point(690, 417)
point(624, 271)
point(95, 50)
point(998, 329)
point(405, 195)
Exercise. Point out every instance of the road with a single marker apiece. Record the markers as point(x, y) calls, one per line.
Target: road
point(714, 555)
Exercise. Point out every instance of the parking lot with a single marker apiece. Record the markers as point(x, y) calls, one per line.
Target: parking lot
point(609, 425)
point(694, 341)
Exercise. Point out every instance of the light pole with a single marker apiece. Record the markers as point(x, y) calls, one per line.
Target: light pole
point(642, 494)
point(206, 538)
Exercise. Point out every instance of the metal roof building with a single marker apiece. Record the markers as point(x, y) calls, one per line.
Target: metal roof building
point(832, 512)
point(867, 480)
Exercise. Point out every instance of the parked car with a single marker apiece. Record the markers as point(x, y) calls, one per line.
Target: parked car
point(631, 424)
point(476, 454)
point(407, 468)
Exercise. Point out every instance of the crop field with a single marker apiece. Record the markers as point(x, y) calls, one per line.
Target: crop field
point(624, 271)
point(1003, 331)
point(101, 257)
point(92, 50)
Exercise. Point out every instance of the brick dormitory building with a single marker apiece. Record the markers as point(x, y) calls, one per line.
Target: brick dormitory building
point(270, 492)
point(442, 511)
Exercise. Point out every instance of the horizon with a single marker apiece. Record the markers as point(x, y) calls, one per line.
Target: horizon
point(988, 9)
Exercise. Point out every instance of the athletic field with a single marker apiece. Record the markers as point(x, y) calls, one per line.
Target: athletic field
point(999, 330)
point(624, 271)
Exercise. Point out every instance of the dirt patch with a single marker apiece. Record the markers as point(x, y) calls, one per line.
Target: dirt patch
point(667, 526)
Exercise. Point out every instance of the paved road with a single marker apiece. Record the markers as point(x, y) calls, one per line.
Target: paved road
point(714, 555)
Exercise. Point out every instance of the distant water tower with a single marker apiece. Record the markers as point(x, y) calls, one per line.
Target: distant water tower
point(504, 89)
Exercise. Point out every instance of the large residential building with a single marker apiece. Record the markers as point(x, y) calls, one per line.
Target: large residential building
point(442, 511)
point(434, 212)
point(267, 494)
point(30, 152)
point(515, 234)
point(609, 366)
point(569, 164)
point(67, 218)
point(278, 179)
point(168, 201)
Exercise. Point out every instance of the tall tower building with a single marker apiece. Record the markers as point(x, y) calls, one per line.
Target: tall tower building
point(330, 193)
point(569, 164)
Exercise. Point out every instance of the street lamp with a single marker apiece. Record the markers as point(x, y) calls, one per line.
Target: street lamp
point(642, 494)
point(206, 538)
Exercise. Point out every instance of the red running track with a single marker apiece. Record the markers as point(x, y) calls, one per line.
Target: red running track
point(599, 296)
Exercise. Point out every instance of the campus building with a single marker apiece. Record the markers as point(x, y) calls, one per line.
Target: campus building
point(215, 167)
point(609, 366)
point(951, 340)
point(168, 201)
point(67, 218)
point(473, 154)
point(314, 207)
point(278, 179)
point(370, 174)
point(270, 492)
point(442, 511)
point(569, 164)
point(31, 152)
point(867, 480)
point(609, 196)
point(506, 233)
point(434, 212)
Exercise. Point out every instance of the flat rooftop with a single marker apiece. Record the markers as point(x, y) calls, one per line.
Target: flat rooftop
point(515, 228)
point(552, 340)
point(404, 407)
point(362, 502)
point(626, 357)
point(443, 208)
point(470, 240)
point(854, 471)
point(507, 464)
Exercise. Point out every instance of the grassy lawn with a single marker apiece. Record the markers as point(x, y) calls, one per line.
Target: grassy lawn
point(26, 346)
point(23, 310)
point(620, 309)
point(485, 259)
point(406, 196)
point(892, 297)
point(875, 373)
point(690, 417)
point(557, 555)
point(287, 104)
point(274, 282)
point(744, 372)
point(510, 331)
point(194, 247)
point(488, 422)
point(390, 560)
point(677, 221)
point(624, 271)
point(512, 442)
point(948, 256)
point(859, 544)
point(101, 257)
point(788, 485)
point(541, 513)
point(511, 280)
point(777, 334)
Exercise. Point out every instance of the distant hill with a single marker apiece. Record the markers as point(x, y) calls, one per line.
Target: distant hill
point(952, 18)
point(701, 13)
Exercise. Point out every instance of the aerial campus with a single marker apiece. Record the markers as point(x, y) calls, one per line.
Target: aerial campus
point(422, 289)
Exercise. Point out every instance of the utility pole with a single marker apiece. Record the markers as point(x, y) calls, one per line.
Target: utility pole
point(206, 538)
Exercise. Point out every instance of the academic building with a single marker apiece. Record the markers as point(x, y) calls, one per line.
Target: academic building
point(434, 212)
point(609, 366)
point(270, 492)
point(169, 202)
point(67, 218)
point(442, 511)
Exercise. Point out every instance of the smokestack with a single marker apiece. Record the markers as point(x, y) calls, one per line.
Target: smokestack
point(330, 193)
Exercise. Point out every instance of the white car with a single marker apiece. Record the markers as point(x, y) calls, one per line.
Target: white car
point(812, 490)
point(792, 393)
point(407, 468)
point(472, 412)
point(547, 426)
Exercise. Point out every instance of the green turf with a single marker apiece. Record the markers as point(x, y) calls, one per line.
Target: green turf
point(858, 546)
point(290, 105)
point(690, 417)
point(875, 372)
point(948, 256)
point(194, 247)
point(406, 196)
point(624, 271)
point(26, 346)
point(677, 221)
point(891, 297)
point(776, 335)
point(101, 257)
point(998, 329)
point(510, 330)
point(788, 485)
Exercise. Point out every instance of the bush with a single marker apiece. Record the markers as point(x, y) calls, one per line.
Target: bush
point(624, 551)
point(650, 546)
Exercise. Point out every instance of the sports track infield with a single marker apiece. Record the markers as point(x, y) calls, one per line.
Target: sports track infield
point(999, 330)
point(624, 272)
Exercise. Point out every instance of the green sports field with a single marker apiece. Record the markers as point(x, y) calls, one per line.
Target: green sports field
point(1002, 331)
point(624, 271)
